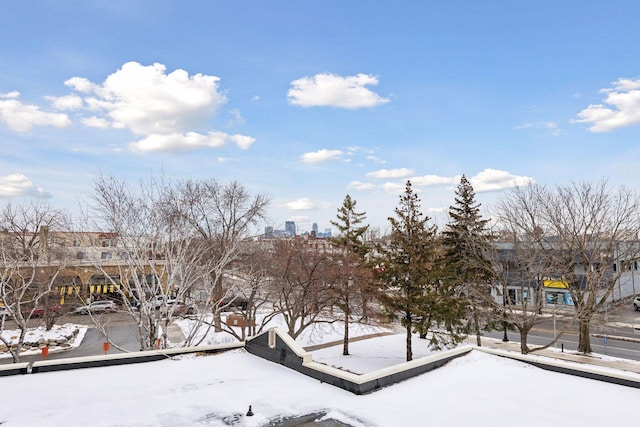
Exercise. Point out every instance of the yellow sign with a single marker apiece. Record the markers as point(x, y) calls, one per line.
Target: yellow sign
point(558, 284)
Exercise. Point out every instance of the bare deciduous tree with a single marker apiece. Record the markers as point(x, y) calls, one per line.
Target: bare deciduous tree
point(519, 268)
point(28, 268)
point(301, 283)
point(181, 240)
point(581, 230)
point(223, 216)
point(158, 258)
point(251, 292)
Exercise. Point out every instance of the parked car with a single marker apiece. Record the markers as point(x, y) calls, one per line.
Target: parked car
point(636, 302)
point(96, 307)
point(39, 311)
point(236, 302)
point(182, 310)
point(159, 300)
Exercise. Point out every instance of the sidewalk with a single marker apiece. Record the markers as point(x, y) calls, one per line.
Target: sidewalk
point(570, 356)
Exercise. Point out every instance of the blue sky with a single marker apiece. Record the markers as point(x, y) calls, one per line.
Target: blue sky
point(309, 101)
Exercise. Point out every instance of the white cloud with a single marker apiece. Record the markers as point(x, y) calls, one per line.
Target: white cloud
point(552, 128)
point(98, 105)
point(147, 101)
point(64, 103)
point(81, 84)
point(302, 204)
point(436, 210)
point(10, 95)
point(429, 180)
point(21, 117)
point(525, 125)
point(236, 118)
point(169, 110)
point(188, 141)
point(358, 149)
point(390, 173)
point(394, 187)
point(375, 159)
point(495, 180)
point(321, 156)
point(18, 185)
point(487, 180)
point(96, 122)
point(330, 90)
point(620, 108)
point(242, 141)
point(361, 186)
point(541, 124)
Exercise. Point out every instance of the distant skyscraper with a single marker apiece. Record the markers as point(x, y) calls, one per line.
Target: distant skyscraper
point(268, 232)
point(290, 228)
point(314, 227)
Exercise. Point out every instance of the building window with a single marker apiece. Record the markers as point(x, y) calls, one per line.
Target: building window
point(559, 298)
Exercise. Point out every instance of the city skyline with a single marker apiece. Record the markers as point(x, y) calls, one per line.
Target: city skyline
point(307, 103)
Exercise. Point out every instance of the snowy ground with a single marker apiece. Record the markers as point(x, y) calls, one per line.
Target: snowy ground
point(371, 355)
point(476, 390)
point(216, 390)
point(317, 333)
point(42, 335)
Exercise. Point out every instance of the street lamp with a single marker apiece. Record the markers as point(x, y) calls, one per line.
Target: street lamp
point(505, 338)
point(606, 320)
point(634, 265)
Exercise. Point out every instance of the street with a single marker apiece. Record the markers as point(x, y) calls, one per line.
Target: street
point(620, 326)
point(120, 329)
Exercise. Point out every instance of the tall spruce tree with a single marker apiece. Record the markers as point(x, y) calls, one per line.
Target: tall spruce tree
point(351, 233)
point(408, 263)
point(466, 240)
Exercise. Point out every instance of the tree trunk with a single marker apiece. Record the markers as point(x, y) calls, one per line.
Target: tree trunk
point(16, 354)
point(584, 340)
point(524, 348)
point(365, 308)
point(409, 352)
point(345, 343)
point(476, 325)
point(217, 297)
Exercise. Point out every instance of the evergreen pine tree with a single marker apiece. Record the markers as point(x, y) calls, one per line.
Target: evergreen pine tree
point(466, 240)
point(408, 260)
point(350, 241)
